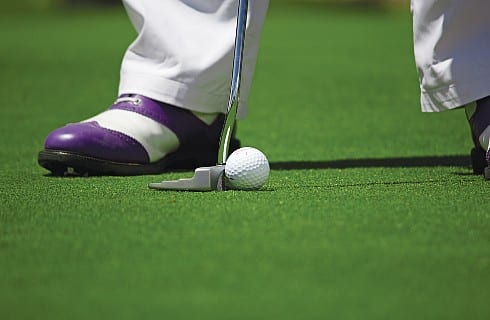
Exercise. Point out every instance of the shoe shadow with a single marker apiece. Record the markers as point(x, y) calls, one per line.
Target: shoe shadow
point(396, 162)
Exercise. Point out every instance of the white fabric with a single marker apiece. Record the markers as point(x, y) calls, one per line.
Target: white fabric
point(184, 51)
point(452, 51)
point(157, 139)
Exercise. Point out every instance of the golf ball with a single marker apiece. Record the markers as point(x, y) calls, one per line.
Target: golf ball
point(247, 169)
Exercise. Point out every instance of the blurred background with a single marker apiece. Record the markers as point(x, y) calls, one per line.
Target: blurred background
point(35, 5)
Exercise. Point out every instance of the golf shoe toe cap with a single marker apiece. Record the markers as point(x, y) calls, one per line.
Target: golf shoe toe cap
point(89, 139)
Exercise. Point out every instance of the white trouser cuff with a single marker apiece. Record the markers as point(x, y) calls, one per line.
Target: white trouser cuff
point(177, 94)
point(454, 96)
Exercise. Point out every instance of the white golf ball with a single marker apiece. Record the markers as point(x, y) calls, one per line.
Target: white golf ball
point(247, 169)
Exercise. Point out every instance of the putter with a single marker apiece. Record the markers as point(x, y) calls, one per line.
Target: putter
point(212, 178)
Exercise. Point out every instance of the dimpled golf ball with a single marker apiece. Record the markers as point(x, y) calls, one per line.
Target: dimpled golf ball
point(247, 169)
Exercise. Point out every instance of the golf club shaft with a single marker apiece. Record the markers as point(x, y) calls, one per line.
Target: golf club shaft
point(235, 82)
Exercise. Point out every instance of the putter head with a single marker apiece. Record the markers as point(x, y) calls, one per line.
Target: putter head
point(204, 179)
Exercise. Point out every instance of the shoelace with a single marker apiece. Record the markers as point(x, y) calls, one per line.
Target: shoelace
point(133, 100)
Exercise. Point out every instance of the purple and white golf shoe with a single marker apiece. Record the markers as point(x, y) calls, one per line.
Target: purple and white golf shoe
point(135, 136)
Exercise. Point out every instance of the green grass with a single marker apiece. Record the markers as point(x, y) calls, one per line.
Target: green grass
point(333, 235)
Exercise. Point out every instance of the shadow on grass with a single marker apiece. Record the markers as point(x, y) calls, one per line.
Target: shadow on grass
point(380, 183)
point(398, 162)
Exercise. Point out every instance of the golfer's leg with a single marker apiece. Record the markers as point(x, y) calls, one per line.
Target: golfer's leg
point(174, 88)
point(452, 51)
point(184, 51)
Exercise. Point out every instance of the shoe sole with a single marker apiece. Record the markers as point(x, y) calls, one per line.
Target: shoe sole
point(64, 163)
point(479, 162)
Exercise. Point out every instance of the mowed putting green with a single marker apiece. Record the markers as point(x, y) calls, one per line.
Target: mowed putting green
point(371, 210)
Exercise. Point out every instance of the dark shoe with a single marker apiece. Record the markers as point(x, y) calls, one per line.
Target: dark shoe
point(479, 121)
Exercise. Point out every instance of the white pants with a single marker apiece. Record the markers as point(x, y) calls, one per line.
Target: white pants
point(452, 51)
point(183, 54)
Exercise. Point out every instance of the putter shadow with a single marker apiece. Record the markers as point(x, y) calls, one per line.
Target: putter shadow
point(375, 183)
point(396, 162)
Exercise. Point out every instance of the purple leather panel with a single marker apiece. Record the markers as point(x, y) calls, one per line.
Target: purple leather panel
point(92, 140)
